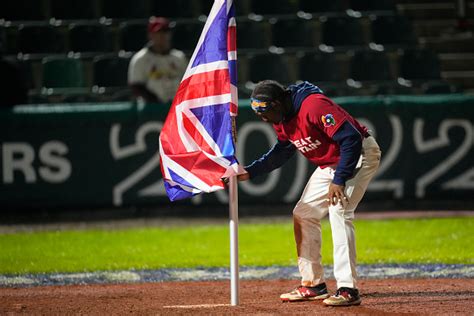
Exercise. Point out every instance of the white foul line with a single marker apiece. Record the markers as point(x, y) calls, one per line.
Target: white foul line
point(196, 306)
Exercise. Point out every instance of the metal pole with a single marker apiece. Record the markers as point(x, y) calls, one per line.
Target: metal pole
point(234, 230)
point(234, 241)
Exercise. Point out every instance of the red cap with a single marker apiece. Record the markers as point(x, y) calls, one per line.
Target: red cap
point(158, 24)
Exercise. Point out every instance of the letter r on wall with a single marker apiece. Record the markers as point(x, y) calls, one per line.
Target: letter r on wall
point(18, 156)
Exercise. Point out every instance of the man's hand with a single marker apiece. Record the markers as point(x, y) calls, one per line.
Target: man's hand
point(336, 194)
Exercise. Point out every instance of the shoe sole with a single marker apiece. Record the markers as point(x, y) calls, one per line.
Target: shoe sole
point(299, 299)
point(356, 302)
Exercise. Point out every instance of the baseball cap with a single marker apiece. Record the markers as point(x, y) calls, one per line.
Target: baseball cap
point(157, 24)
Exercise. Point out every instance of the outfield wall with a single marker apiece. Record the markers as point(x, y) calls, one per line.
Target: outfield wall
point(103, 155)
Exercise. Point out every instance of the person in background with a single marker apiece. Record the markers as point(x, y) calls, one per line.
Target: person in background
point(346, 156)
point(13, 85)
point(156, 70)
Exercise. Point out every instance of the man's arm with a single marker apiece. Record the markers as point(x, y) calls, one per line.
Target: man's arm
point(350, 147)
point(273, 159)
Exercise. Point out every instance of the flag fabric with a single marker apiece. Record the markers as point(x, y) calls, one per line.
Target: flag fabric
point(196, 143)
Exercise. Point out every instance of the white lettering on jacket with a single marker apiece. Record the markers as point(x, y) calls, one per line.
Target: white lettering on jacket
point(306, 144)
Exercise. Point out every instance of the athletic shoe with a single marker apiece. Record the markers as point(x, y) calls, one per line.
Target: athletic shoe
point(306, 293)
point(344, 296)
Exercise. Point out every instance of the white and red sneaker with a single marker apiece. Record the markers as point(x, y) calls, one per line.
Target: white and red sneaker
point(306, 293)
point(344, 296)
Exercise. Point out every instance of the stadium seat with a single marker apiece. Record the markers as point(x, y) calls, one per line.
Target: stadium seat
point(393, 88)
point(392, 30)
point(186, 35)
point(293, 33)
point(206, 5)
point(312, 6)
point(89, 38)
point(3, 40)
point(437, 87)
point(8, 39)
point(40, 39)
point(241, 7)
point(268, 66)
point(22, 10)
point(332, 89)
point(174, 9)
point(16, 80)
point(319, 67)
point(370, 66)
point(133, 36)
point(110, 71)
point(62, 72)
point(26, 67)
point(73, 9)
point(372, 5)
point(342, 31)
point(419, 64)
point(125, 9)
point(252, 35)
point(272, 7)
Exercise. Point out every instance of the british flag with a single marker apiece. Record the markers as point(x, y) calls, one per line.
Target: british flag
point(196, 143)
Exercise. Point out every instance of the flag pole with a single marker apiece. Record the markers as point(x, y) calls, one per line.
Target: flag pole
point(234, 242)
point(234, 232)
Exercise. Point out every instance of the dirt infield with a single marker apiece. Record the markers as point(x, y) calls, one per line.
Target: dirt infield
point(380, 297)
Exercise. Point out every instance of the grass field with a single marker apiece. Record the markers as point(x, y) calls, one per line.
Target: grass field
point(448, 240)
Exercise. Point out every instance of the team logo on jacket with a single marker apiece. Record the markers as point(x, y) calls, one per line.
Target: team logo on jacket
point(328, 120)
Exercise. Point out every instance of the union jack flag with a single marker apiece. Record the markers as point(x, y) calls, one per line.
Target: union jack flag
point(196, 143)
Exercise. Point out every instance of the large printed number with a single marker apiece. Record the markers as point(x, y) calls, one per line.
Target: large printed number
point(424, 146)
point(388, 159)
point(121, 152)
point(297, 186)
point(272, 179)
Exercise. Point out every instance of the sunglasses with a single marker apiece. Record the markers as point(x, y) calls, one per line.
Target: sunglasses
point(260, 106)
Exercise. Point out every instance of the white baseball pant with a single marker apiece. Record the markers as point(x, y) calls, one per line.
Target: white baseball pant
point(313, 206)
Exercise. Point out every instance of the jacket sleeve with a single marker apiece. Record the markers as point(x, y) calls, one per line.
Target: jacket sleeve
point(350, 144)
point(273, 159)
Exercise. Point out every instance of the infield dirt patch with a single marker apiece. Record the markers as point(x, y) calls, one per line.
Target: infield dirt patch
point(379, 297)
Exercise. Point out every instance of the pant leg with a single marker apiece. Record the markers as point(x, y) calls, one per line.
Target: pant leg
point(341, 217)
point(307, 215)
